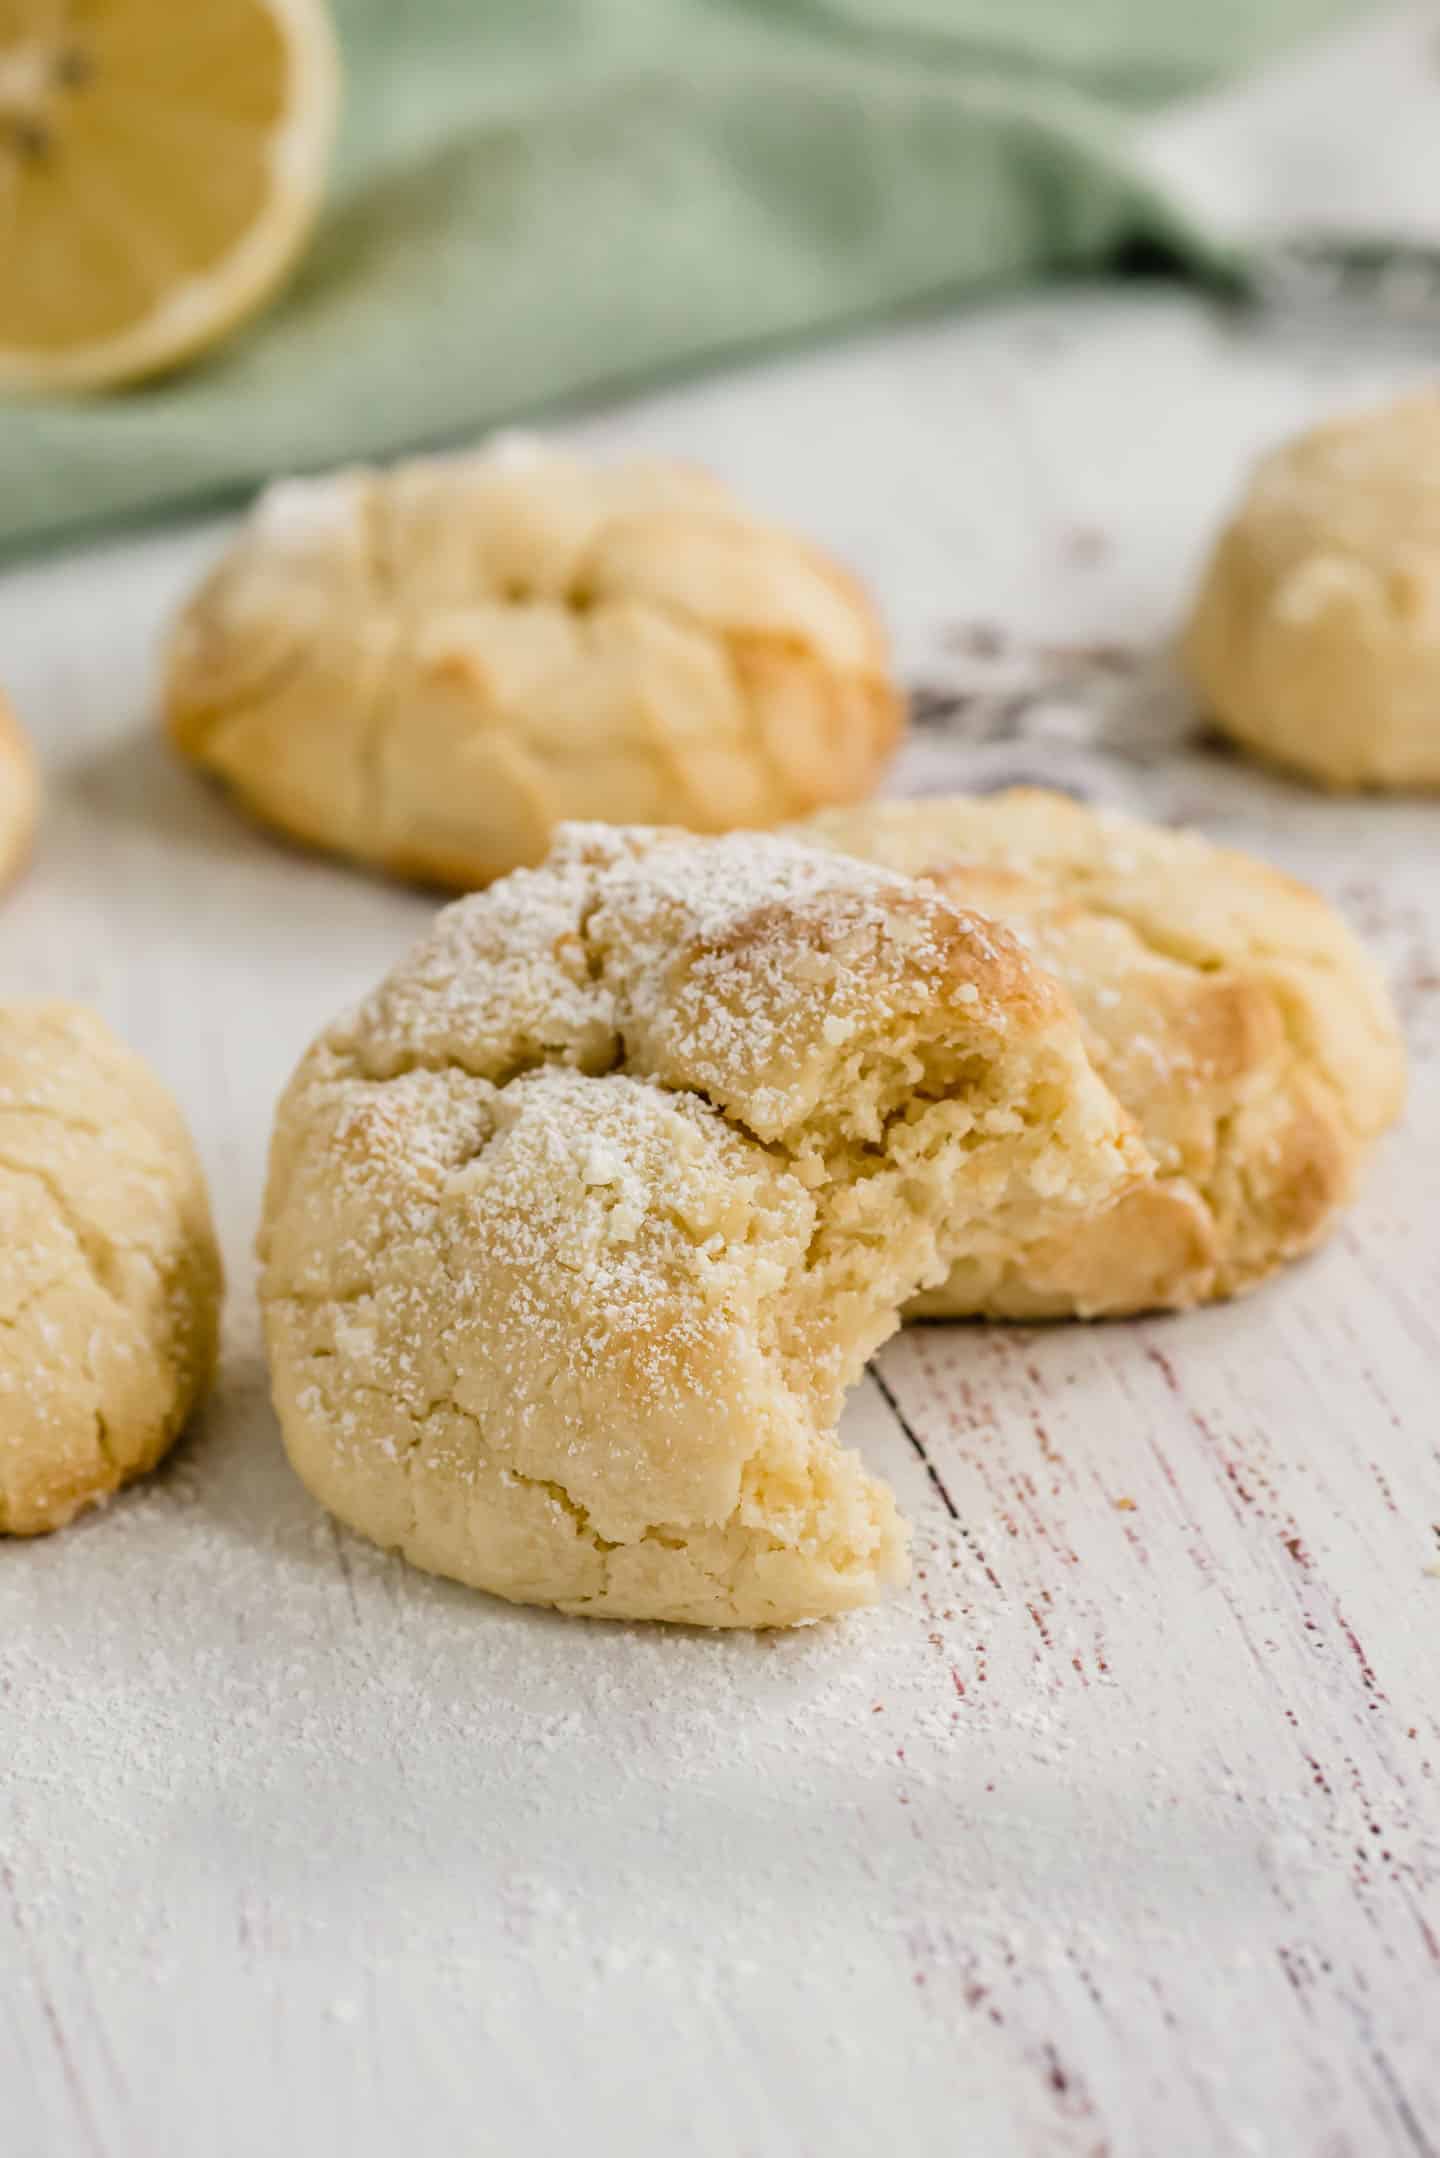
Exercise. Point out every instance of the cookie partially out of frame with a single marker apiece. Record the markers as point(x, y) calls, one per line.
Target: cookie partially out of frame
point(579, 1228)
point(427, 668)
point(1229, 1009)
point(1315, 636)
point(19, 795)
point(109, 1275)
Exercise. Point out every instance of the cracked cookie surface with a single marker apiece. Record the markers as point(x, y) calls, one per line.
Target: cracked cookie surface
point(1314, 638)
point(578, 1230)
point(109, 1276)
point(19, 794)
point(1229, 1008)
point(427, 668)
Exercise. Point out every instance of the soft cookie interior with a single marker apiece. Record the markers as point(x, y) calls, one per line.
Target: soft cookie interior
point(1228, 1008)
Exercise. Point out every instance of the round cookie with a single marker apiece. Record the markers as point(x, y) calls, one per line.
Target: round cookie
point(109, 1278)
point(19, 794)
point(427, 668)
point(1230, 1010)
point(1315, 637)
point(577, 1231)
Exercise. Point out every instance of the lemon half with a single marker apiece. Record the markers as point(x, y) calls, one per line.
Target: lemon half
point(161, 163)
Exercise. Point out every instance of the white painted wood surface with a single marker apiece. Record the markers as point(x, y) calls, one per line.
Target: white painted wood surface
point(1119, 1833)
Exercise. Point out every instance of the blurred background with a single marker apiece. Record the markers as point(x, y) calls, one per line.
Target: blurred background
point(227, 259)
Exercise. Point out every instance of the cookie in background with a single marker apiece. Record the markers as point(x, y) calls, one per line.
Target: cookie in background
point(427, 668)
point(1229, 1009)
point(19, 794)
point(1315, 636)
point(110, 1280)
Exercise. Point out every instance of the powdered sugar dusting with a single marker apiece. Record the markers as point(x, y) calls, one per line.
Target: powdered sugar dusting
point(317, 507)
point(580, 1226)
point(310, 511)
point(740, 964)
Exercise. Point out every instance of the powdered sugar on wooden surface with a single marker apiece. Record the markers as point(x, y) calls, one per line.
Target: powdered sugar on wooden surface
point(1119, 1833)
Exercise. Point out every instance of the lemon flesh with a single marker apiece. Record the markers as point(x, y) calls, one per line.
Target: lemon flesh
point(161, 162)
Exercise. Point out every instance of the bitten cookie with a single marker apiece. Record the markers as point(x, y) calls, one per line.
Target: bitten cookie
point(1228, 1007)
point(19, 794)
point(578, 1230)
point(109, 1277)
point(426, 668)
point(1315, 638)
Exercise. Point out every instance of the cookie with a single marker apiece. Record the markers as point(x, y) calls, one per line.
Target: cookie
point(1315, 637)
point(578, 1230)
point(109, 1277)
point(427, 668)
point(1229, 1009)
point(19, 795)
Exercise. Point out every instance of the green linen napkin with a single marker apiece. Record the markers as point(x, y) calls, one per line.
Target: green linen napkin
point(535, 199)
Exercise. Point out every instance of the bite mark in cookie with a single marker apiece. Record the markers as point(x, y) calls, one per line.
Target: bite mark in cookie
point(579, 1229)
